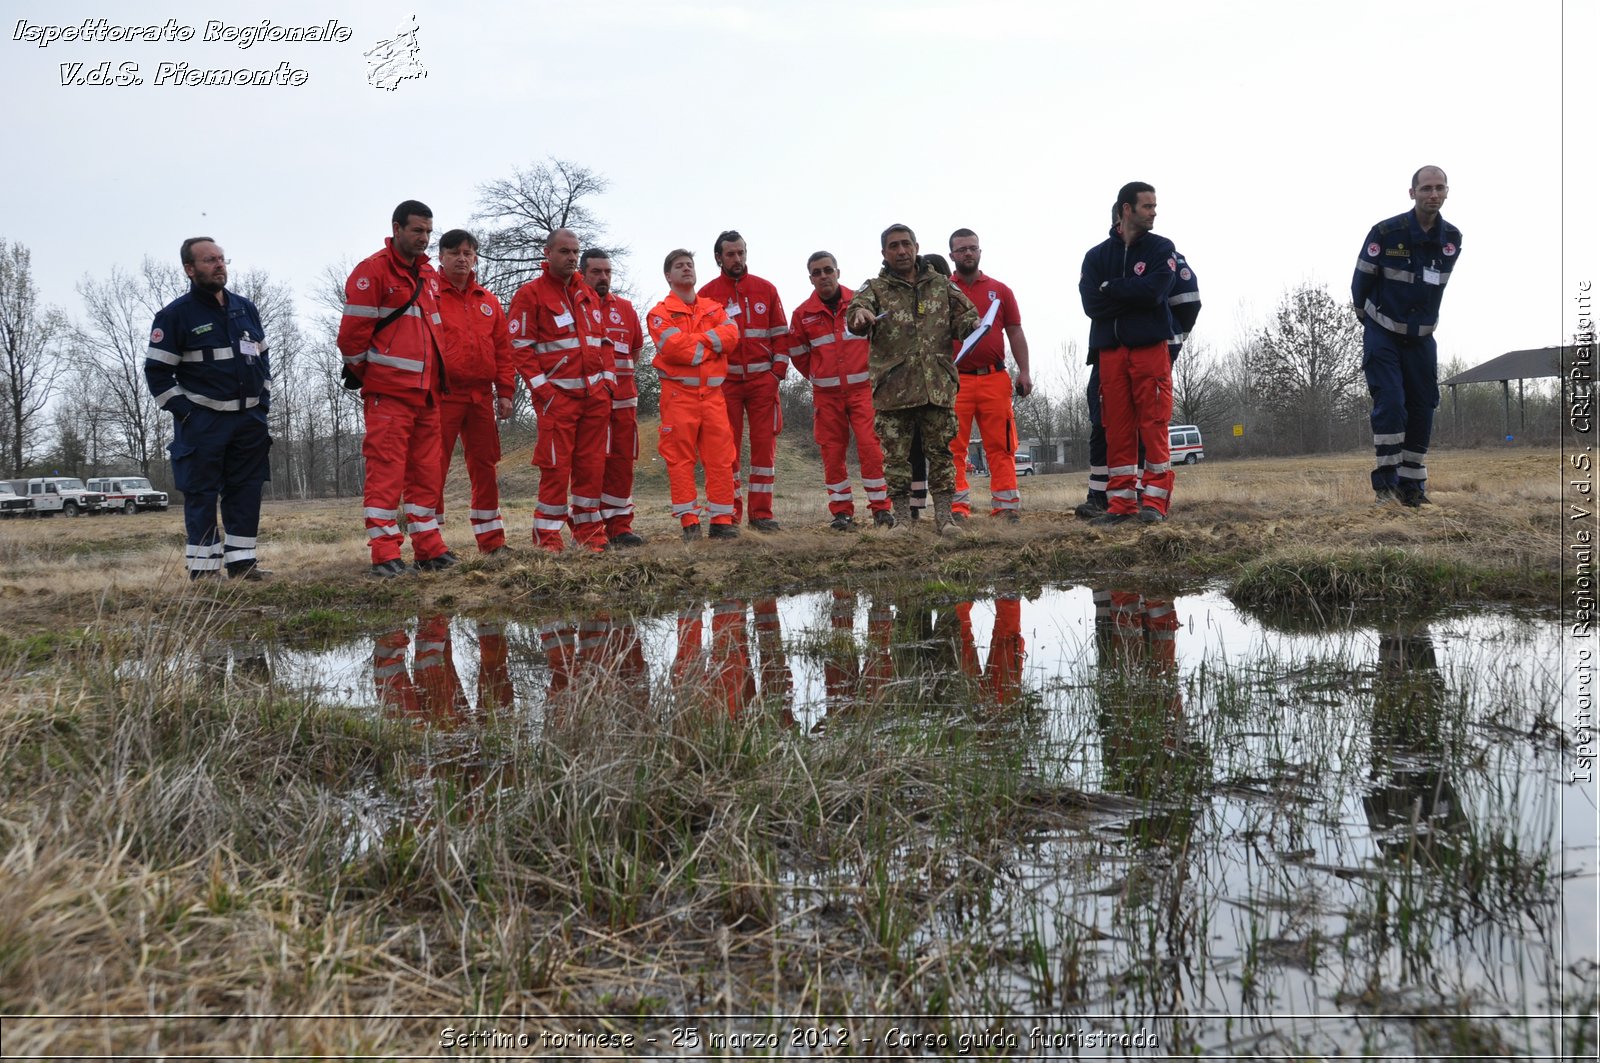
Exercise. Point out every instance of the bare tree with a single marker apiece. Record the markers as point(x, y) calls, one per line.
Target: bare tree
point(1310, 362)
point(521, 212)
point(1198, 393)
point(111, 344)
point(338, 409)
point(28, 358)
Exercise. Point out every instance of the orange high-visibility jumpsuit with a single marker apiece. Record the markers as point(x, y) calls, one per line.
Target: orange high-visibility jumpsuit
point(756, 364)
point(692, 345)
point(478, 362)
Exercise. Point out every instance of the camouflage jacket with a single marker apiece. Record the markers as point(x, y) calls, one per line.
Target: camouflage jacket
point(911, 362)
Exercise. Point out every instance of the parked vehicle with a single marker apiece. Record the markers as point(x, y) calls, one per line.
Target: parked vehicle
point(1024, 463)
point(128, 493)
point(1186, 444)
point(63, 494)
point(11, 503)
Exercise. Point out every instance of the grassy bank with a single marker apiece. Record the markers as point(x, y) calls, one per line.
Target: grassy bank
point(1299, 529)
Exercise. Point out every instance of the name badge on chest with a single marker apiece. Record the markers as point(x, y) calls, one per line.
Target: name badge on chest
point(563, 319)
point(249, 348)
point(1430, 276)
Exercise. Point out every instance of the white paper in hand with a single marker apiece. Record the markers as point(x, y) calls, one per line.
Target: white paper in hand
point(978, 333)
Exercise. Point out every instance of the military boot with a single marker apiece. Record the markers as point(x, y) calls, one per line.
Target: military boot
point(944, 521)
point(900, 517)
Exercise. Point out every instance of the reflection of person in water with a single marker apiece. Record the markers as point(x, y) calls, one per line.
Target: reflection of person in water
point(1002, 674)
point(777, 685)
point(430, 691)
point(721, 675)
point(841, 667)
point(495, 689)
point(1411, 794)
point(1145, 748)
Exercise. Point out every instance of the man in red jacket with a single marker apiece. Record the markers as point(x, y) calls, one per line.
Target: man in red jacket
point(477, 357)
point(754, 369)
point(561, 353)
point(693, 336)
point(619, 325)
point(835, 361)
point(392, 342)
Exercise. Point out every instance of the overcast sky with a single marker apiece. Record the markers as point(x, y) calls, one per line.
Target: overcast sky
point(1275, 134)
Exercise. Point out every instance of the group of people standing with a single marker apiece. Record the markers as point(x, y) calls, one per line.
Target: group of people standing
point(905, 366)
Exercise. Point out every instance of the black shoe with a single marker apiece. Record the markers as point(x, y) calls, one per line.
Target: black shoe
point(843, 522)
point(760, 524)
point(884, 518)
point(728, 531)
point(1385, 496)
point(627, 538)
point(1108, 518)
point(1013, 517)
point(248, 570)
point(388, 569)
point(1091, 509)
point(205, 573)
point(499, 553)
point(958, 518)
point(1415, 499)
point(1151, 515)
point(691, 532)
point(438, 564)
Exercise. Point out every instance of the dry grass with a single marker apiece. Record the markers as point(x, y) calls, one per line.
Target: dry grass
point(1497, 517)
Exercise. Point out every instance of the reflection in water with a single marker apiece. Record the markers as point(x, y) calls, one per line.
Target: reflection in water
point(1411, 789)
point(1226, 813)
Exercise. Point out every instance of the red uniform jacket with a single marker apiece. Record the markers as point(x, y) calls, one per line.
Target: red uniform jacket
point(403, 360)
point(477, 344)
point(555, 332)
point(620, 323)
point(820, 347)
point(753, 305)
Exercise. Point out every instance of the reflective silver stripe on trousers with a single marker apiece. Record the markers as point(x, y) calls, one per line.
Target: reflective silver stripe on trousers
point(625, 404)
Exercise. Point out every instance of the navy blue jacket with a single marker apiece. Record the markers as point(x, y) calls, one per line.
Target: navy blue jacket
point(1184, 303)
point(1125, 289)
point(198, 356)
point(1401, 273)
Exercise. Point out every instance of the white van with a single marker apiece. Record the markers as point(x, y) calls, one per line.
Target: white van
point(1186, 445)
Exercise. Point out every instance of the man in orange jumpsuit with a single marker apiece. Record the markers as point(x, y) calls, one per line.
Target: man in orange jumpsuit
point(477, 357)
point(561, 353)
point(693, 336)
point(392, 343)
point(755, 366)
point(835, 361)
point(985, 394)
point(619, 324)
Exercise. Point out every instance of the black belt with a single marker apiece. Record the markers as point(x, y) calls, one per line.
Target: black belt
point(979, 372)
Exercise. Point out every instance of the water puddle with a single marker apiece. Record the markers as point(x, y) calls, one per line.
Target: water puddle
point(1282, 834)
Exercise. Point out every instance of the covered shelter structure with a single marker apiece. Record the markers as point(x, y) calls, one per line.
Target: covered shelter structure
point(1520, 366)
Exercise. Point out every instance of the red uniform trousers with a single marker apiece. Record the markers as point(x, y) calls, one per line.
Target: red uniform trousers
point(694, 427)
point(1003, 672)
point(839, 412)
point(616, 491)
point(472, 420)
point(1136, 407)
point(757, 399)
point(988, 399)
point(401, 452)
point(571, 458)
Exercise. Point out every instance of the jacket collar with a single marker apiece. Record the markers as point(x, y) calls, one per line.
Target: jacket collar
point(814, 301)
point(422, 262)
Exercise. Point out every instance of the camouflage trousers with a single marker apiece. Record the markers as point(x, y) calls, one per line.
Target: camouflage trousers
point(896, 429)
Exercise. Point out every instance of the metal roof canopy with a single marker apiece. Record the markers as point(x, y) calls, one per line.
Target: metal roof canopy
point(1517, 365)
point(1513, 365)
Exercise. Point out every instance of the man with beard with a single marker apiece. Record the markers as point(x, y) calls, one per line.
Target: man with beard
point(620, 326)
point(207, 366)
point(754, 369)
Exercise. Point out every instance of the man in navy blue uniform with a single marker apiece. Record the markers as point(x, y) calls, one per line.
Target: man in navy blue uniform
point(1184, 305)
point(207, 366)
point(1398, 285)
point(1124, 285)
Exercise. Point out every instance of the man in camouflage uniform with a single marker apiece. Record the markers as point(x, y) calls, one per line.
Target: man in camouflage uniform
point(913, 317)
